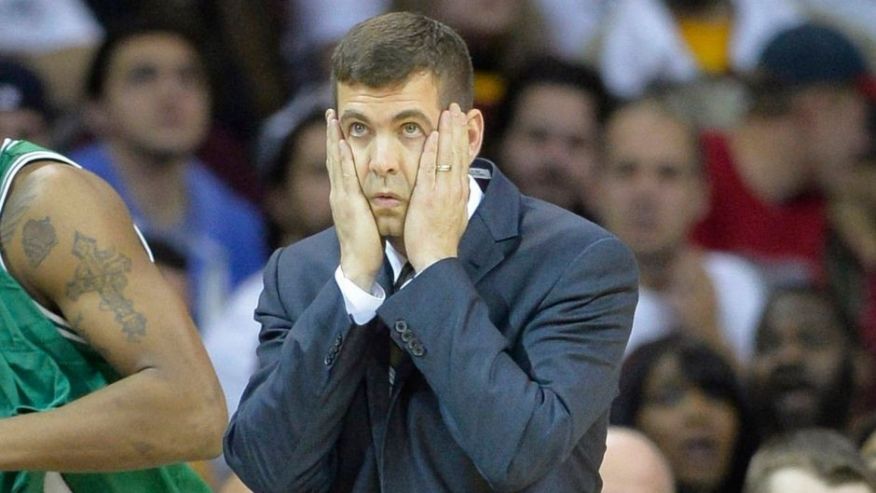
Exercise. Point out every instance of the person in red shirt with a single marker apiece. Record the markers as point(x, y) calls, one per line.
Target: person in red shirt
point(807, 125)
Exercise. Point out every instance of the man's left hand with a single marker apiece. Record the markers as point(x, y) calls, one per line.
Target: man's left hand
point(437, 216)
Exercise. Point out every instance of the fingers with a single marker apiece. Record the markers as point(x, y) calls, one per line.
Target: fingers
point(339, 157)
point(426, 173)
point(453, 145)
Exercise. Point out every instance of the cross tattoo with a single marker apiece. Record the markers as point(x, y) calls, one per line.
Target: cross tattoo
point(103, 271)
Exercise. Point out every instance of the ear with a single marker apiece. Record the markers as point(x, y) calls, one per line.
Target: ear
point(475, 132)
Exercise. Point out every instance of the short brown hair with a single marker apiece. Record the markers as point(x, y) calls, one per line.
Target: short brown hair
point(387, 49)
point(825, 453)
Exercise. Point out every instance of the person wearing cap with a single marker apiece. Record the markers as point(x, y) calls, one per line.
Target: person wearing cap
point(806, 124)
point(24, 112)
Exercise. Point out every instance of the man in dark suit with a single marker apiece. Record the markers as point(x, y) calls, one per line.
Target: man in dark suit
point(494, 366)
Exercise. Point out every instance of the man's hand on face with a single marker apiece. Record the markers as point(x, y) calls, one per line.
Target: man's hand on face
point(436, 216)
point(360, 242)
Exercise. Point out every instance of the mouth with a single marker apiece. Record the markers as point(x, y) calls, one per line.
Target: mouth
point(385, 200)
point(703, 450)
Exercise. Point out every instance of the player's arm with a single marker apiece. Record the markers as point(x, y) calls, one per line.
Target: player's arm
point(69, 240)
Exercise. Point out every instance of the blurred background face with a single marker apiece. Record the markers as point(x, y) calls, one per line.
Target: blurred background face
point(550, 147)
point(835, 128)
point(797, 373)
point(695, 430)
point(650, 188)
point(478, 19)
point(155, 98)
point(300, 205)
point(24, 124)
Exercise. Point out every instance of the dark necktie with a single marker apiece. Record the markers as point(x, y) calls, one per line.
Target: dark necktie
point(395, 354)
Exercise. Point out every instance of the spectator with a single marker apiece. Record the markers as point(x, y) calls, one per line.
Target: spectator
point(548, 129)
point(807, 122)
point(297, 205)
point(24, 111)
point(652, 193)
point(686, 398)
point(803, 370)
point(648, 473)
point(809, 460)
point(149, 103)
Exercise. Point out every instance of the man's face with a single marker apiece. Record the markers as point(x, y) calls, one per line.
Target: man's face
point(155, 97)
point(386, 129)
point(798, 368)
point(796, 479)
point(550, 148)
point(651, 191)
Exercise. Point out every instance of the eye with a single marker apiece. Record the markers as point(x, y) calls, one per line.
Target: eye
point(357, 129)
point(412, 130)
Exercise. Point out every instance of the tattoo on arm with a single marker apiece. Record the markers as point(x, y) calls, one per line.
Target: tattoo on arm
point(38, 239)
point(105, 272)
point(18, 205)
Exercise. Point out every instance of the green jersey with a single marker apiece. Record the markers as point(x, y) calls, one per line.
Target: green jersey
point(44, 365)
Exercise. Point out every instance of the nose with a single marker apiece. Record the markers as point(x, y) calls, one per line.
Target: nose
point(790, 353)
point(382, 156)
point(697, 406)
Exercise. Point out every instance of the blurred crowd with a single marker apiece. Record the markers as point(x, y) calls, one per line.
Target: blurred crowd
point(730, 143)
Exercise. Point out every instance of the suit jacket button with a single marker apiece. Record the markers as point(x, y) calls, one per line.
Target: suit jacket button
point(417, 348)
point(401, 326)
point(329, 359)
point(406, 336)
point(338, 341)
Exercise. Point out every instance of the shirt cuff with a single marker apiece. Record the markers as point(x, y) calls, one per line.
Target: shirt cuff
point(360, 304)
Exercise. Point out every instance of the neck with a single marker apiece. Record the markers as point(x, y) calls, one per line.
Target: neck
point(655, 269)
point(156, 184)
point(768, 158)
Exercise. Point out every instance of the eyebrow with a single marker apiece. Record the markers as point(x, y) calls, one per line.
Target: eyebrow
point(404, 115)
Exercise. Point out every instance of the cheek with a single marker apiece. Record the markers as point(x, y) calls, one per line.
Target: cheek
point(659, 423)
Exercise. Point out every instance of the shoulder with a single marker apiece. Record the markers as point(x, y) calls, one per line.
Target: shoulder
point(547, 227)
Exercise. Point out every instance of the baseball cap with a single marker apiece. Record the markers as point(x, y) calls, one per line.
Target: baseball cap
point(812, 54)
point(21, 88)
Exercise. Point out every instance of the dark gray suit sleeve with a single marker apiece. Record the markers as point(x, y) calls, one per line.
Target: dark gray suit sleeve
point(516, 425)
point(282, 436)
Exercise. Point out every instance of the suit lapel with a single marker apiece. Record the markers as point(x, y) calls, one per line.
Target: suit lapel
point(485, 241)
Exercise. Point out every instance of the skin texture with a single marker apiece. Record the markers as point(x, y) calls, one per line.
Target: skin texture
point(381, 157)
point(648, 473)
point(87, 264)
point(696, 431)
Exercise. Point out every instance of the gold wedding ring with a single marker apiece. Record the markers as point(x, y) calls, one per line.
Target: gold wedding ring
point(443, 167)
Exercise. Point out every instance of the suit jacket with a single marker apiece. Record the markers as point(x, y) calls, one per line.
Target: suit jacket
point(512, 353)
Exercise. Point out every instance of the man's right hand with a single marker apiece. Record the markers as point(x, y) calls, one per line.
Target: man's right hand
point(361, 245)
